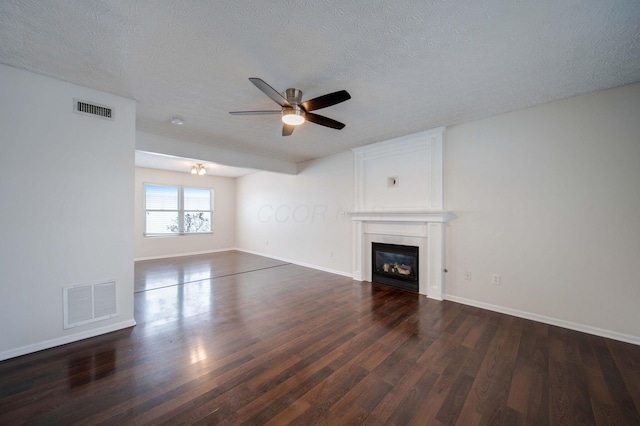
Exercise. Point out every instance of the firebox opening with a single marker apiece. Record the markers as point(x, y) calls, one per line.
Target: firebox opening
point(395, 265)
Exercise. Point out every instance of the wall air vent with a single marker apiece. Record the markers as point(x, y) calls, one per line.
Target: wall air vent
point(92, 109)
point(86, 303)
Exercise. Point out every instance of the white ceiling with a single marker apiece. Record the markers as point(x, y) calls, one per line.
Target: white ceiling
point(408, 65)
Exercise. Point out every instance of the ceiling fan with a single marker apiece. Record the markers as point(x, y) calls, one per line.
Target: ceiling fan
point(294, 111)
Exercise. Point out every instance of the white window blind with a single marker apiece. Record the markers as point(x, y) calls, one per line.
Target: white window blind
point(177, 210)
point(197, 210)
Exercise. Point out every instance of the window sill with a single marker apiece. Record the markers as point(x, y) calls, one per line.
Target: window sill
point(176, 235)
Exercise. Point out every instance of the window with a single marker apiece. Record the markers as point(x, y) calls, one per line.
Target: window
point(177, 210)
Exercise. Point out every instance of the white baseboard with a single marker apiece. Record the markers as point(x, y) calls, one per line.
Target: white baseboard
point(295, 262)
point(47, 344)
point(166, 256)
point(547, 320)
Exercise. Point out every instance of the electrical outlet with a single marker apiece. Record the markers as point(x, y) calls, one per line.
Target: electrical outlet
point(467, 276)
point(495, 279)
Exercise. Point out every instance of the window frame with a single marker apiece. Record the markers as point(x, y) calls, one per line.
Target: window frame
point(180, 211)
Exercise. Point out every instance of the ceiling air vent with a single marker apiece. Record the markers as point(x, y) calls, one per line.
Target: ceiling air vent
point(93, 109)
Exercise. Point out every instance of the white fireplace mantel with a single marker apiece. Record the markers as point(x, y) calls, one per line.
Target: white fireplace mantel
point(438, 216)
point(399, 200)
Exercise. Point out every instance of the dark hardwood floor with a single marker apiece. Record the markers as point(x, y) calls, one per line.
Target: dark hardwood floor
point(159, 273)
point(255, 341)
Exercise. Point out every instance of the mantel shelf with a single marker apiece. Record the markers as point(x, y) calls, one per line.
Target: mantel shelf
point(440, 216)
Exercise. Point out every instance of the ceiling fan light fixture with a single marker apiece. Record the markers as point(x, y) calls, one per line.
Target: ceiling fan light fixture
point(295, 112)
point(293, 116)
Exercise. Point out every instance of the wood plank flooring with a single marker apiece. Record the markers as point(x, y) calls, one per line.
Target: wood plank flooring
point(159, 273)
point(263, 342)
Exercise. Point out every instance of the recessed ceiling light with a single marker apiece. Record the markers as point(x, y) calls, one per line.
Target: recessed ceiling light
point(177, 121)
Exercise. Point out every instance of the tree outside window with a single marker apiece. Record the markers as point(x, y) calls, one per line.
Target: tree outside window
point(178, 210)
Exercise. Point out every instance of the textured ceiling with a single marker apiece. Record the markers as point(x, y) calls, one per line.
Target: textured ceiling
point(409, 65)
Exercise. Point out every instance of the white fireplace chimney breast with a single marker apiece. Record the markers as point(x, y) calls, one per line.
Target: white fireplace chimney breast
point(399, 214)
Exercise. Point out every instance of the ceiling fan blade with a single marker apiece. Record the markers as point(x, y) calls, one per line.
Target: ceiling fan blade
point(326, 100)
point(324, 121)
point(254, 112)
point(269, 91)
point(287, 129)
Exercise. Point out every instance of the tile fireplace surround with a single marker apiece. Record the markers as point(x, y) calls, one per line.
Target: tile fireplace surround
point(399, 200)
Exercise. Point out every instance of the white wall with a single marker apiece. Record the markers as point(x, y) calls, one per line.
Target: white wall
point(300, 218)
point(549, 198)
point(66, 185)
point(224, 198)
point(400, 174)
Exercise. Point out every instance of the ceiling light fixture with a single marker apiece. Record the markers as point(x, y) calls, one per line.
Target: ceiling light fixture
point(293, 116)
point(198, 169)
point(177, 121)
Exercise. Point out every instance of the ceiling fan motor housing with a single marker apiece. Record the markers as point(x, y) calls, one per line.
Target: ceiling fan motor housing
point(294, 96)
point(295, 114)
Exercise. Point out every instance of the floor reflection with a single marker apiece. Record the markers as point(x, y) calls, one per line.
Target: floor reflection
point(167, 304)
point(198, 352)
point(161, 273)
point(169, 291)
point(82, 370)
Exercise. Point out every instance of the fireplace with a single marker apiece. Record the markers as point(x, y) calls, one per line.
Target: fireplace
point(395, 265)
point(398, 199)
